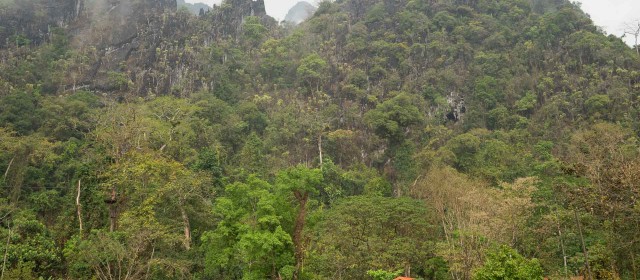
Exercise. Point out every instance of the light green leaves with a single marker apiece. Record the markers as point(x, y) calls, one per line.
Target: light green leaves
point(504, 263)
point(249, 241)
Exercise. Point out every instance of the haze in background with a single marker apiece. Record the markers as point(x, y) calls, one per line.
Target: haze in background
point(611, 15)
point(276, 8)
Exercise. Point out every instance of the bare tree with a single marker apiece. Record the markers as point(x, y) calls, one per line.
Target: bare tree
point(633, 29)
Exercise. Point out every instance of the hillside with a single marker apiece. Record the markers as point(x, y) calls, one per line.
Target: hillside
point(435, 139)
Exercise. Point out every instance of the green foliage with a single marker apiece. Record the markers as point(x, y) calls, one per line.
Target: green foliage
point(312, 71)
point(392, 118)
point(31, 248)
point(383, 274)
point(436, 268)
point(253, 31)
point(119, 80)
point(249, 241)
point(364, 233)
point(597, 105)
point(118, 254)
point(22, 271)
point(17, 112)
point(505, 263)
point(240, 148)
point(209, 161)
point(69, 117)
point(300, 179)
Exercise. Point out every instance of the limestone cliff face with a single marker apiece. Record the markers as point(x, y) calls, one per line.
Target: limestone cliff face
point(30, 21)
point(119, 21)
point(64, 12)
point(130, 45)
point(126, 34)
point(230, 15)
point(247, 7)
point(142, 44)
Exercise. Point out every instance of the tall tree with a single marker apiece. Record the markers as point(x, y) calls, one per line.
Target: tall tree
point(249, 241)
point(300, 182)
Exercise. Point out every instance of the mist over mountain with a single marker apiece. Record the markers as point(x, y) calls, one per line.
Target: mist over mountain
point(376, 138)
point(300, 12)
point(194, 8)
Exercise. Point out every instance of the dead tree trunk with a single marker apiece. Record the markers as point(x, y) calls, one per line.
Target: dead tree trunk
point(320, 150)
point(6, 252)
point(112, 210)
point(634, 30)
point(6, 172)
point(79, 208)
point(564, 255)
point(187, 226)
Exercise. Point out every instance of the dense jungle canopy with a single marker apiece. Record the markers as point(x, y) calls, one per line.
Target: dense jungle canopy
point(437, 139)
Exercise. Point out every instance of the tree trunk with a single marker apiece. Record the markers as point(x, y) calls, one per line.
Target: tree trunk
point(153, 252)
point(633, 265)
point(6, 172)
point(584, 247)
point(187, 227)
point(564, 255)
point(6, 252)
point(112, 210)
point(320, 149)
point(79, 208)
point(112, 218)
point(297, 232)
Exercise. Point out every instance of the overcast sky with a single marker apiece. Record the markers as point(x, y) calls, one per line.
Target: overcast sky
point(611, 15)
point(275, 8)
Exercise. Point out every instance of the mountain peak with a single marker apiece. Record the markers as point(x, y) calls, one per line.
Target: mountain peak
point(300, 12)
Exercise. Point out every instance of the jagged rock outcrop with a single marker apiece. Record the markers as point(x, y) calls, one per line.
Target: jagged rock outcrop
point(118, 21)
point(30, 21)
point(126, 34)
point(64, 12)
point(134, 46)
point(457, 107)
point(230, 15)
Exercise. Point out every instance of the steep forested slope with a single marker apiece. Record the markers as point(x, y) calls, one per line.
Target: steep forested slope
point(438, 139)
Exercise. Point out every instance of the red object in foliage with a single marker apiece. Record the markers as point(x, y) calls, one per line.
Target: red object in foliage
point(404, 278)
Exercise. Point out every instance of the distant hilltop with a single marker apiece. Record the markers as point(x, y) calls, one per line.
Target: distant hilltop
point(194, 8)
point(300, 12)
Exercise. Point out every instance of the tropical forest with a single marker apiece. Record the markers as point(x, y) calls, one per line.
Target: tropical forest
point(375, 139)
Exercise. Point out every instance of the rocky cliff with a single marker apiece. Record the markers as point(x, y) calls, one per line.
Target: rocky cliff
point(30, 21)
point(125, 35)
point(136, 46)
point(230, 15)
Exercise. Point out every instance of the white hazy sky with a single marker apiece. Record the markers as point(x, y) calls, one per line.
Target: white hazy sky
point(276, 8)
point(611, 15)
